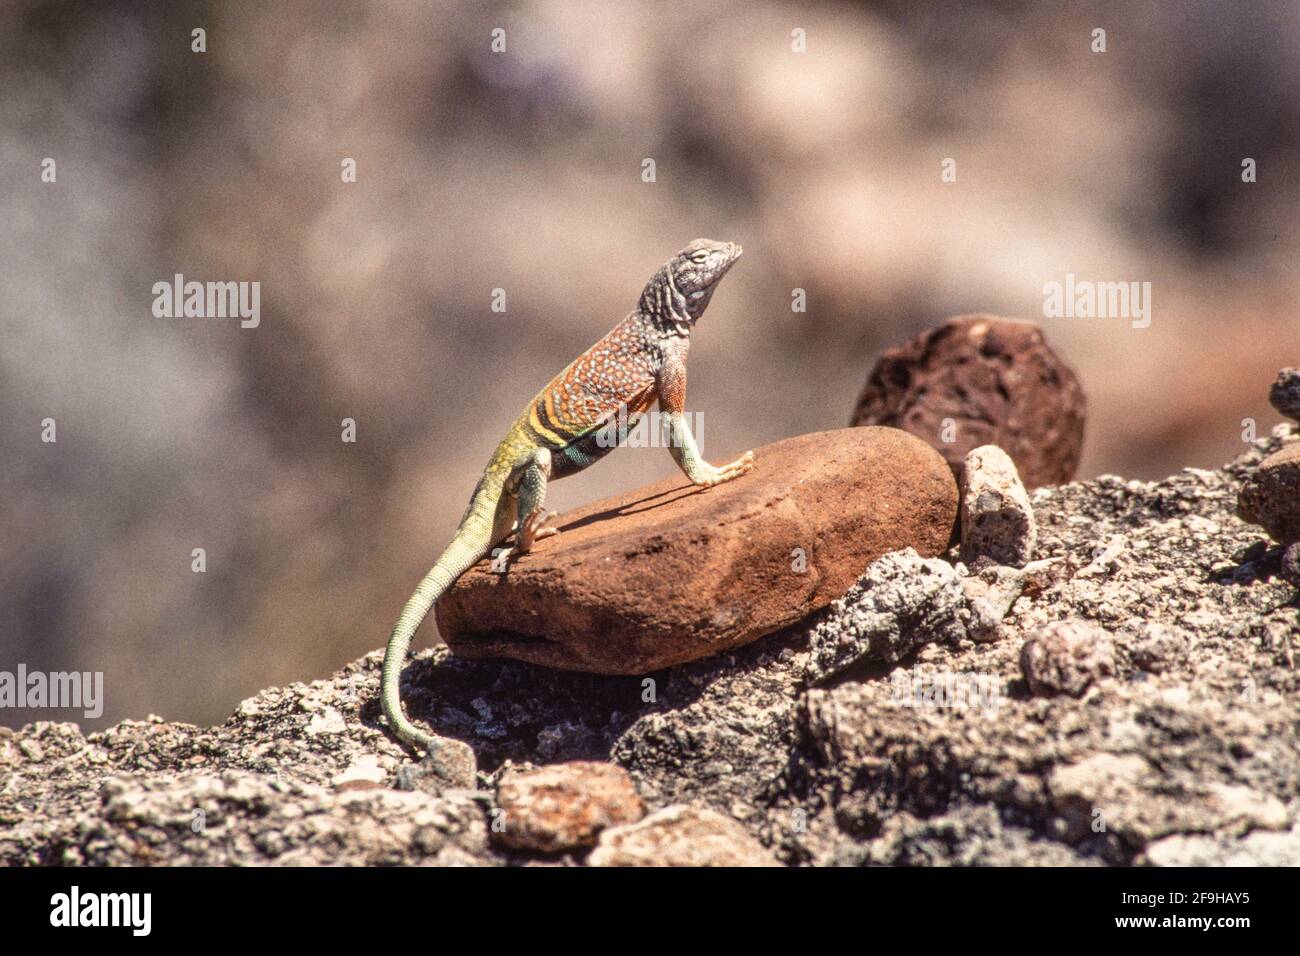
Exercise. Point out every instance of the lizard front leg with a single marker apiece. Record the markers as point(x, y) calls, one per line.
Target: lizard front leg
point(681, 443)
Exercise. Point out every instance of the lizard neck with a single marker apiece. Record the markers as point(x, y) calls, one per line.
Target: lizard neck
point(664, 306)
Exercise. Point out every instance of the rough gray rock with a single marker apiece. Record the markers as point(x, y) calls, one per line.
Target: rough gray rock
point(997, 522)
point(1065, 657)
point(901, 602)
point(994, 589)
point(1157, 647)
point(1260, 848)
point(1285, 393)
point(1189, 753)
point(205, 819)
point(904, 601)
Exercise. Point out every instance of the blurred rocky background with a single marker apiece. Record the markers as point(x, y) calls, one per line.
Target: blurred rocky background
point(522, 171)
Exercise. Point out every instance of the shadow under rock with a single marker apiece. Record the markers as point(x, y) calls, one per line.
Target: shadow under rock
point(510, 710)
point(1257, 564)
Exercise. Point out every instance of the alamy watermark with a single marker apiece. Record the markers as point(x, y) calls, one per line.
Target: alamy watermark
point(179, 299)
point(652, 430)
point(62, 690)
point(133, 911)
point(945, 690)
point(1085, 299)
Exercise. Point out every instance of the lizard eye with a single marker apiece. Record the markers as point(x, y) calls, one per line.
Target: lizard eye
point(700, 257)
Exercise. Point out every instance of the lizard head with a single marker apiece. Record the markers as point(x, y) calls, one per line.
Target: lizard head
point(697, 270)
point(680, 291)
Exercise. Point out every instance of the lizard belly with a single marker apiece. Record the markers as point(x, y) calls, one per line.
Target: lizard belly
point(598, 441)
point(585, 411)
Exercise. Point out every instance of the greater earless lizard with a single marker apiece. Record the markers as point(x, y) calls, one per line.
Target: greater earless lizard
point(576, 419)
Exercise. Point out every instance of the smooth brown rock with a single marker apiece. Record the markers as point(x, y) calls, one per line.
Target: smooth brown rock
point(1270, 497)
point(1000, 384)
point(566, 806)
point(671, 573)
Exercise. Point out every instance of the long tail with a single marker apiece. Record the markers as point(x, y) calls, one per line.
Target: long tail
point(472, 542)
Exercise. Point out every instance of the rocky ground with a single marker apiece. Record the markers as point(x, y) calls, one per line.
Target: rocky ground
point(897, 727)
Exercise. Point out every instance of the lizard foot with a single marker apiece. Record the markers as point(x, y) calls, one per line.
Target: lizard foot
point(535, 528)
point(727, 472)
point(546, 530)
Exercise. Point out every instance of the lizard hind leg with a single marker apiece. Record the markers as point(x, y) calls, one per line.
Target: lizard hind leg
point(503, 522)
point(530, 478)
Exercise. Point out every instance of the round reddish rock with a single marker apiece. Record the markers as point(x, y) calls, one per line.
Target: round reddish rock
point(1291, 564)
point(1000, 384)
point(1066, 657)
point(1285, 393)
point(1270, 497)
point(681, 835)
point(671, 573)
point(565, 806)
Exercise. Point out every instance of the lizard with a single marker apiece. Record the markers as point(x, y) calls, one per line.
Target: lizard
point(582, 414)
